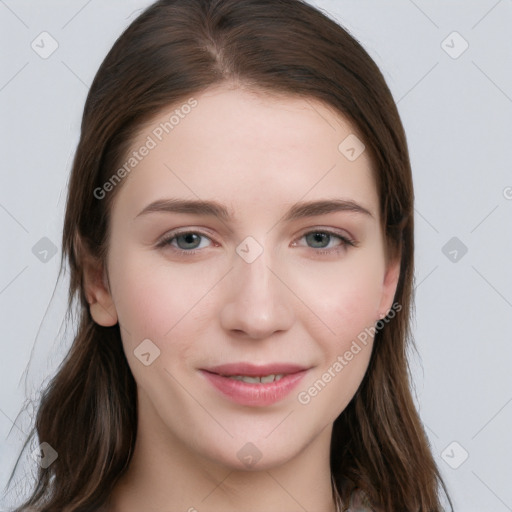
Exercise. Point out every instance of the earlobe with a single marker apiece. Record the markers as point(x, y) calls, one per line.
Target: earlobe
point(101, 304)
point(104, 313)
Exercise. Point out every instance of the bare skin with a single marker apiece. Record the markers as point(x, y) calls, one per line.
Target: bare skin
point(257, 155)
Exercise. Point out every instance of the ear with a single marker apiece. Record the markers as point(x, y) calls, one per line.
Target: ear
point(97, 292)
point(389, 286)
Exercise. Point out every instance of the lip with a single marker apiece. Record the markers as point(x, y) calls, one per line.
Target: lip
point(255, 395)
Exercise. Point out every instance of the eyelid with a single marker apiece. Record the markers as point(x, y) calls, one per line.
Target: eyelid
point(170, 235)
point(342, 233)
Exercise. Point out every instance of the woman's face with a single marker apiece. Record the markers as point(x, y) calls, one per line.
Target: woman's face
point(229, 256)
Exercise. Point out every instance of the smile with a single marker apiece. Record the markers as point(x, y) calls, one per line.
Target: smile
point(256, 386)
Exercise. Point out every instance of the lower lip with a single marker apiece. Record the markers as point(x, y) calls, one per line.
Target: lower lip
point(245, 393)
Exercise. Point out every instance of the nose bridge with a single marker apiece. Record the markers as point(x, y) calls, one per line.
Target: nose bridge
point(257, 301)
point(252, 272)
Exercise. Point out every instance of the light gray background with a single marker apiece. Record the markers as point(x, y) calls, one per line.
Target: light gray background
point(457, 113)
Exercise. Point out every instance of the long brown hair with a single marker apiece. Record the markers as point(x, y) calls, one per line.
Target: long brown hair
point(176, 49)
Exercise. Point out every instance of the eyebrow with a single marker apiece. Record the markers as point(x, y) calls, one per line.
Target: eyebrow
point(215, 209)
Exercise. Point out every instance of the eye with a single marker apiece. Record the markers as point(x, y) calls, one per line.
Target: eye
point(184, 242)
point(187, 243)
point(323, 240)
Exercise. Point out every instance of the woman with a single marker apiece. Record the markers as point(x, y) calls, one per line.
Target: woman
point(239, 232)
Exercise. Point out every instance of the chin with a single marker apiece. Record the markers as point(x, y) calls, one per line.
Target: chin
point(257, 455)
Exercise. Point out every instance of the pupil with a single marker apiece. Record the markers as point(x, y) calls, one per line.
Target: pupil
point(189, 238)
point(320, 237)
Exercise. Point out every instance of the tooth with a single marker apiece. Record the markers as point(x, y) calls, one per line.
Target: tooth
point(266, 379)
point(235, 377)
point(251, 380)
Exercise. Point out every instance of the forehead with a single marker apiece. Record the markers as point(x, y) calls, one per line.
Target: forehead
point(244, 147)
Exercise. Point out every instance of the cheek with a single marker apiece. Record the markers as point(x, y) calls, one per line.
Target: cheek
point(345, 299)
point(160, 302)
point(347, 306)
point(146, 306)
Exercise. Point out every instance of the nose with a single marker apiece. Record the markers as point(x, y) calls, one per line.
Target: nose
point(258, 302)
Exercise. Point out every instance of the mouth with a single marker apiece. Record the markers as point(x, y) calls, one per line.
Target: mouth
point(251, 385)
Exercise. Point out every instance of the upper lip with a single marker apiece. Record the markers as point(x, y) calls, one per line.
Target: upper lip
point(252, 370)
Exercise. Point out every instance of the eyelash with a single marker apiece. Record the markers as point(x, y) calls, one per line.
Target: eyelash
point(345, 242)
